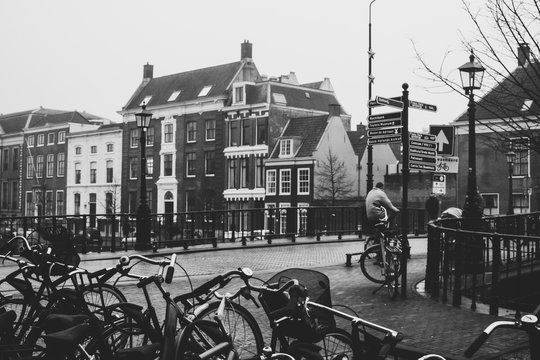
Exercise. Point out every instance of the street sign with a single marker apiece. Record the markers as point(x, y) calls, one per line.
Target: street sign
point(439, 184)
point(423, 159)
point(373, 103)
point(384, 140)
point(445, 137)
point(383, 123)
point(422, 106)
point(447, 164)
point(387, 116)
point(421, 136)
point(389, 102)
point(427, 152)
point(418, 166)
point(384, 131)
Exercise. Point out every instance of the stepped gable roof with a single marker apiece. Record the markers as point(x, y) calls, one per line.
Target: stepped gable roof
point(507, 98)
point(358, 140)
point(190, 84)
point(309, 130)
point(295, 96)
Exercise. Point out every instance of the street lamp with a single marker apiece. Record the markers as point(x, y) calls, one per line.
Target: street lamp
point(142, 241)
point(371, 78)
point(510, 157)
point(472, 74)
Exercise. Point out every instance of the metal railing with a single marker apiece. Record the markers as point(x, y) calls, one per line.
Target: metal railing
point(498, 266)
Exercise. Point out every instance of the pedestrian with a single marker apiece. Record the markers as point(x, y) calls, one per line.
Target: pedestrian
point(377, 203)
point(432, 206)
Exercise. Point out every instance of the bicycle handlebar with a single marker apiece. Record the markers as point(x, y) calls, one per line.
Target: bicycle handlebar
point(479, 341)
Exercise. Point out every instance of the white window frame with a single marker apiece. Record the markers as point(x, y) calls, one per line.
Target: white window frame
point(495, 210)
point(283, 218)
point(49, 157)
point(58, 167)
point(61, 138)
point(56, 202)
point(191, 131)
point(282, 182)
point(285, 148)
point(206, 138)
point(49, 135)
point(300, 182)
point(269, 182)
point(520, 210)
point(205, 90)
point(41, 140)
point(165, 126)
point(236, 89)
point(30, 141)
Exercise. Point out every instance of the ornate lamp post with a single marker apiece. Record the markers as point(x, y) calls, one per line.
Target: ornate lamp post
point(472, 74)
point(371, 78)
point(142, 242)
point(510, 157)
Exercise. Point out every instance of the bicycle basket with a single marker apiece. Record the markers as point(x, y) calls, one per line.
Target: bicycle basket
point(311, 326)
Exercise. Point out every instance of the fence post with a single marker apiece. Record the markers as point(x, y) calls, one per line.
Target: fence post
point(432, 265)
point(113, 234)
point(495, 274)
point(458, 263)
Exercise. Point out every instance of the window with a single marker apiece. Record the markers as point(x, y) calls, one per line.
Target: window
point(133, 167)
point(285, 182)
point(93, 171)
point(308, 96)
point(210, 129)
point(168, 133)
point(149, 199)
point(149, 166)
point(93, 149)
point(262, 130)
point(132, 202)
point(29, 204)
point(244, 173)
point(191, 130)
point(191, 163)
point(150, 135)
point(303, 181)
point(146, 100)
point(50, 165)
point(39, 166)
point(526, 105)
point(50, 138)
point(61, 137)
point(61, 164)
point(15, 195)
point(110, 147)
point(49, 204)
point(209, 160)
point(41, 139)
point(285, 148)
point(77, 173)
point(259, 172)
point(109, 202)
point(30, 140)
point(167, 165)
point(134, 135)
point(110, 171)
point(271, 182)
point(29, 167)
point(521, 161)
point(234, 131)
point(78, 150)
point(5, 194)
point(491, 204)
point(246, 132)
point(5, 160)
point(174, 95)
point(15, 161)
point(205, 90)
point(239, 94)
point(233, 166)
point(283, 217)
point(279, 99)
point(520, 202)
point(60, 210)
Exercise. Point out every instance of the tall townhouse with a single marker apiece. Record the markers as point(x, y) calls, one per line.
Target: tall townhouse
point(94, 176)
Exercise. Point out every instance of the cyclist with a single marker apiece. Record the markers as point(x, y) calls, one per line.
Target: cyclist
point(376, 202)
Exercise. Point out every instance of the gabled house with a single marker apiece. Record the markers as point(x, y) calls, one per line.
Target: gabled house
point(297, 171)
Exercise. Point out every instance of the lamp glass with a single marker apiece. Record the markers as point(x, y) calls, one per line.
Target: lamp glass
point(143, 118)
point(510, 157)
point(472, 74)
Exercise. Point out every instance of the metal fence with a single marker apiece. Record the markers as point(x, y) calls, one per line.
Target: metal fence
point(499, 266)
point(114, 232)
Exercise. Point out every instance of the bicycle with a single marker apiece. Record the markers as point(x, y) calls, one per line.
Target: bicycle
point(381, 262)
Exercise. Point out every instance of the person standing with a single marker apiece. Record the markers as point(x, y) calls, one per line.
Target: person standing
point(432, 207)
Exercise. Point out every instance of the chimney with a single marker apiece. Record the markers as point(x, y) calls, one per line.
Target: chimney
point(246, 52)
point(523, 54)
point(334, 110)
point(148, 72)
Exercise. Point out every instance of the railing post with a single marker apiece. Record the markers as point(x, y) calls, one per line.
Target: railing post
point(113, 233)
point(432, 265)
point(458, 262)
point(495, 274)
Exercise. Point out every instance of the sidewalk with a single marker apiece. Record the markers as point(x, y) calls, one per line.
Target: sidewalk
point(429, 326)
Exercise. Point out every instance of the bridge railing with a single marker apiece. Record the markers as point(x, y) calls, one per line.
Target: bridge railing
point(491, 267)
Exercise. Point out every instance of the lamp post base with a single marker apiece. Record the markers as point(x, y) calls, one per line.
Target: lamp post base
point(142, 241)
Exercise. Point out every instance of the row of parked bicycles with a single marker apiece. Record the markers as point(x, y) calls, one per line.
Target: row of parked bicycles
point(50, 308)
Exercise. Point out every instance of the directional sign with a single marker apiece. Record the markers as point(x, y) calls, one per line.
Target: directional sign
point(422, 106)
point(384, 140)
point(425, 152)
point(444, 138)
point(384, 131)
point(383, 123)
point(389, 102)
point(373, 103)
point(423, 159)
point(387, 116)
point(425, 167)
point(421, 136)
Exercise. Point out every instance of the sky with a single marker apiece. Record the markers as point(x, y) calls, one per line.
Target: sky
point(89, 55)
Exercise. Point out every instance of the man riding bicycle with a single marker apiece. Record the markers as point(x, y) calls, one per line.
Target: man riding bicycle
point(377, 202)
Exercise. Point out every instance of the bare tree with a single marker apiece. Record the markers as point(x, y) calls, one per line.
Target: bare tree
point(507, 36)
point(333, 180)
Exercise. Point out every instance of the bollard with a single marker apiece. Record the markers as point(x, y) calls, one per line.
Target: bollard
point(348, 262)
point(244, 241)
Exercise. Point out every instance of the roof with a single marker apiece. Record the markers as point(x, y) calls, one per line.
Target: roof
point(15, 122)
point(358, 140)
point(507, 98)
point(190, 84)
point(309, 130)
point(304, 97)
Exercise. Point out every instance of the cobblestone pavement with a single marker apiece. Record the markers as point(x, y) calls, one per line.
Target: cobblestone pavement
point(426, 324)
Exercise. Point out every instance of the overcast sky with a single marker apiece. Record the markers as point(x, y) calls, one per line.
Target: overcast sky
point(89, 55)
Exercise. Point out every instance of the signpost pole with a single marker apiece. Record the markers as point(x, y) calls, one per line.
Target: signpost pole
point(405, 190)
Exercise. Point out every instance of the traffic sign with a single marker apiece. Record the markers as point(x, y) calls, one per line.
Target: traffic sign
point(447, 164)
point(444, 137)
point(423, 159)
point(383, 123)
point(387, 116)
point(384, 140)
point(439, 184)
point(422, 106)
point(419, 166)
point(384, 131)
point(427, 152)
point(389, 102)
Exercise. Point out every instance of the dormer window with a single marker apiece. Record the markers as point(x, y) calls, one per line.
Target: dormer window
point(308, 96)
point(145, 100)
point(285, 148)
point(174, 95)
point(279, 98)
point(239, 94)
point(526, 105)
point(205, 90)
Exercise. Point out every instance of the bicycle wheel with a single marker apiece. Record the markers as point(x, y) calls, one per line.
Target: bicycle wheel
point(371, 264)
point(201, 336)
point(241, 326)
point(98, 297)
point(337, 344)
point(24, 313)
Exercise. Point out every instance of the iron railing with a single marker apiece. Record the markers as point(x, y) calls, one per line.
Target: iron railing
point(498, 266)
